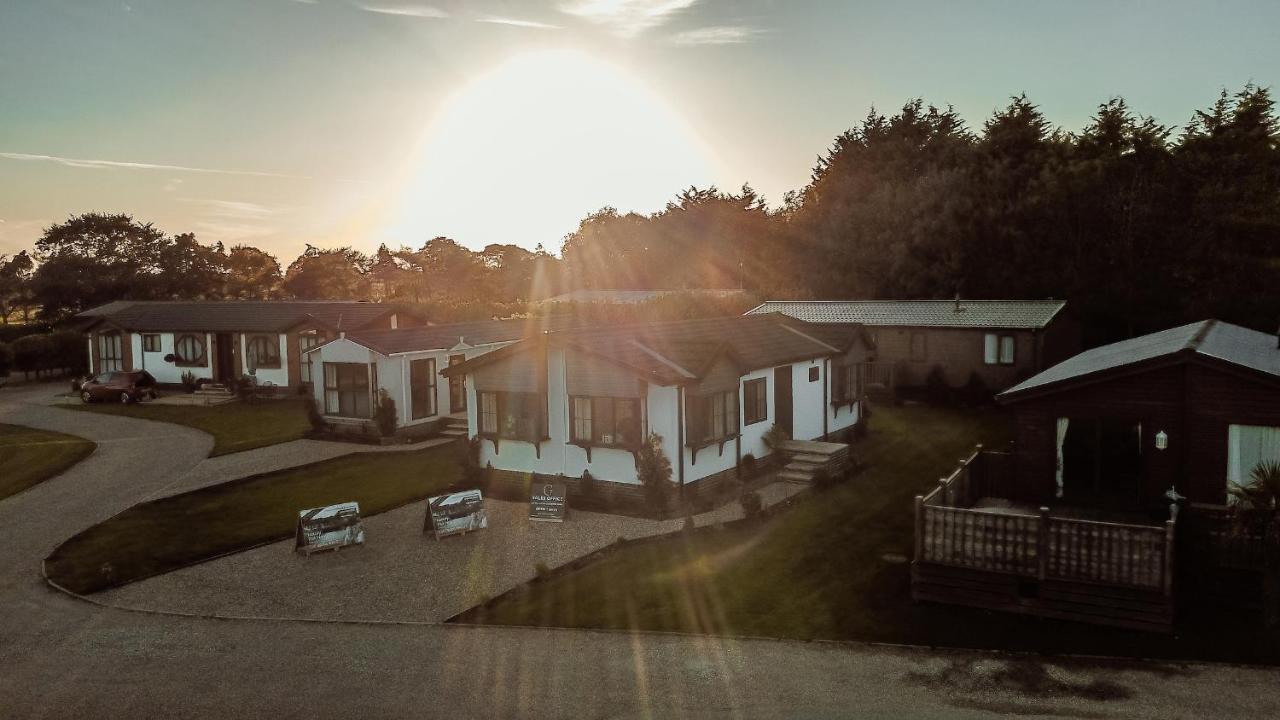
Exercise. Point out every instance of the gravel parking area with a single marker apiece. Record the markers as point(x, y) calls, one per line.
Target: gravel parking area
point(400, 574)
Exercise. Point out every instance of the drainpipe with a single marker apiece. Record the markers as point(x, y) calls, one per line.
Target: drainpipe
point(680, 436)
point(826, 378)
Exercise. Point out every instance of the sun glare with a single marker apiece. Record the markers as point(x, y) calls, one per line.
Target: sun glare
point(544, 137)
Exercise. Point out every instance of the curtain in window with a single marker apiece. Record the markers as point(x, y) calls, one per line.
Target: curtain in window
point(991, 349)
point(1006, 349)
point(1062, 436)
point(1247, 447)
point(110, 352)
point(489, 413)
point(582, 424)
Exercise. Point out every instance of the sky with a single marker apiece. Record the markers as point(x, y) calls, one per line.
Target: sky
point(282, 123)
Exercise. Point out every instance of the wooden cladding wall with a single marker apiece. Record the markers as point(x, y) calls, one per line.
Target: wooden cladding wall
point(523, 373)
point(589, 376)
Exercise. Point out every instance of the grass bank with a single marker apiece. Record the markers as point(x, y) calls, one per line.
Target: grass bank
point(29, 456)
point(234, 426)
point(833, 567)
point(163, 535)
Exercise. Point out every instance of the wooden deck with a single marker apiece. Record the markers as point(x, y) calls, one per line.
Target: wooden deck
point(1038, 562)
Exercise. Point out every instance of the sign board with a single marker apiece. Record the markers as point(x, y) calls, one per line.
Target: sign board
point(546, 502)
point(328, 528)
point(456, 513)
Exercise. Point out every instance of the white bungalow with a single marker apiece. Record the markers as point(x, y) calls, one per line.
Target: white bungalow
point(583, 400)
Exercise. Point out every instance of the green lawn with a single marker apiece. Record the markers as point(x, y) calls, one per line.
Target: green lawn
point(173, 532)
point(817, 571)
point(234, 426)
point(29, 456)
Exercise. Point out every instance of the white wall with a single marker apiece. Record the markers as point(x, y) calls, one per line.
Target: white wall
point(278, 376)
point(807, 398)
point(135, 341)
point(167, 372)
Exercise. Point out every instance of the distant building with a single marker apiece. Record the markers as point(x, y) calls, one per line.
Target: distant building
point(999, 341)
point(223, 340)
point(634, 297)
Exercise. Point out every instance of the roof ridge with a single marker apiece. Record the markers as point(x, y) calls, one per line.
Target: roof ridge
point(1198, 338)
point(661, 358)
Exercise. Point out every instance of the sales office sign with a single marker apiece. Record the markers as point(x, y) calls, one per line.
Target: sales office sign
point(547, 502)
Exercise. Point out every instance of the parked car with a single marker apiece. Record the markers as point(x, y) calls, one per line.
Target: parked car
point(122, 387)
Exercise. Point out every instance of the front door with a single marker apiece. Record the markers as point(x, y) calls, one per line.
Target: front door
point(224, 349)
point(1102, 464)
point(457, 388)
point(784, 408)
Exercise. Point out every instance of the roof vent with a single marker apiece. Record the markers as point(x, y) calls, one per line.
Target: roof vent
point(959, 308)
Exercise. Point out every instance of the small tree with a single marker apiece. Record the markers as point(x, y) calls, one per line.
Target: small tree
point(654, 470)
point(32, 353)
point(1255, 518)
point(189, 382)
point(314, 417)
point(385, 414)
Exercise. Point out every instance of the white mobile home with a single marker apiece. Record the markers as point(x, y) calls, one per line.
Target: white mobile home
point(584, 400)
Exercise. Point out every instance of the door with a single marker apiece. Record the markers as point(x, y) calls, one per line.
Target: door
point(224, 348)
point(457, 388)
point(1102, 464)
point(783, 406)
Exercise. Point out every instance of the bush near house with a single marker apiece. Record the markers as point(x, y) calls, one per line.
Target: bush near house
point(385, 414)
point(62, 351)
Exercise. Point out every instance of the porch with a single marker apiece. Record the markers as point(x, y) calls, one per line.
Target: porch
point(975, 547)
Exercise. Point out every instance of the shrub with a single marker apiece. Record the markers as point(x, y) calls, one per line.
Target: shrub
point(6, 359)
point(587, 485)
point(749, 467)
point(33, 353)
point(937, 391)
point(189, 382)
point(469, 459)
point(385, 414)
point(752, 505)
point(317, 420)
point(654, 470)
point(68, 352)
point(976, 391)
point(776, 437)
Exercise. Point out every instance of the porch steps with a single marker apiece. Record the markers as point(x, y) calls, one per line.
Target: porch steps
point(214, 390)
point(808, 457)
point(454, 428)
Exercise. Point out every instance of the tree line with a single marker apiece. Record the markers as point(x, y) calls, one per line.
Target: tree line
point(1137, 226)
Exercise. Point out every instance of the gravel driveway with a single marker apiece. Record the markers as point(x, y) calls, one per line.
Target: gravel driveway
point(400, 574)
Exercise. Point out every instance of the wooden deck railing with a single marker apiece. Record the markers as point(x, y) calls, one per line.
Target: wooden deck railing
point(1036, 545)
point(878, 373)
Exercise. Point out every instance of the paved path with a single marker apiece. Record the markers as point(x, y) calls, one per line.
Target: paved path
point(60, 657)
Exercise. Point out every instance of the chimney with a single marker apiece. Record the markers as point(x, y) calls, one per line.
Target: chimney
point(958, 308)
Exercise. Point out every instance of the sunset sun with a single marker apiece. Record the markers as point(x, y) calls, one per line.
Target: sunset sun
point(542, 137)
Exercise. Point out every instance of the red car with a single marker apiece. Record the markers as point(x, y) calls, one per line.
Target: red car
point(122, 387)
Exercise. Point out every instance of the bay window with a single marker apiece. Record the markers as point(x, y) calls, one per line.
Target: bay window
point(712, 418)
point(110, 352)
point(605, 421)
point(513, 415)
point(263, 351)
point(755, 401)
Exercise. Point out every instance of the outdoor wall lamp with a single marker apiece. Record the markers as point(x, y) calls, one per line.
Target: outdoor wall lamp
point(1162, 440)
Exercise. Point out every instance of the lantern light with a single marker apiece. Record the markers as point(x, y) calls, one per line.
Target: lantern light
point(1162, 440)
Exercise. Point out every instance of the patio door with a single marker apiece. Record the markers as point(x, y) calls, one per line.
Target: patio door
point(224, 356)
point(457, 388)
point(1102, 464)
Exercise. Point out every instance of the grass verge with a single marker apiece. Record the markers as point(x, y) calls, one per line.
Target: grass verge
point(163, 535)
point(235, 426)
point(825, 570)
point(29, 456)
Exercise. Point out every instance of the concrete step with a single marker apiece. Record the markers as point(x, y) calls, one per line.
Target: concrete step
point(795, 477)
point(805, 466)
point(453, 432)
point(810, 458)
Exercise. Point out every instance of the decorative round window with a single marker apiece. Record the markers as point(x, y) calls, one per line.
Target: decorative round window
point(189, 349)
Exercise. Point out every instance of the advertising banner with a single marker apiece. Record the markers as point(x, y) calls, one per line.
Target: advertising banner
point(331, 527)
point(455, 513)
point(546, 502)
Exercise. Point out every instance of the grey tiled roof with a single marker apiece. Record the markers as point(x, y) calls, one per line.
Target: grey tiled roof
point(234, 315)
point(441, 337)
point(1210, 338)
point(1011, 314)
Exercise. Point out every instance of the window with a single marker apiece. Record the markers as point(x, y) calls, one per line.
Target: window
point(514, 416)
point(1247, 447)
point(189, 350)
point(755, 400)
point(844, 383)
point(150, 343)
point(346, 390)
point(814, 374)
point(713, 418)
point(998, 349)
point(306, 341)
point(422, 387)
point(918, 350)
point(488, 413)
point(110, 352)
point(605, 421)
point(263, 351)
